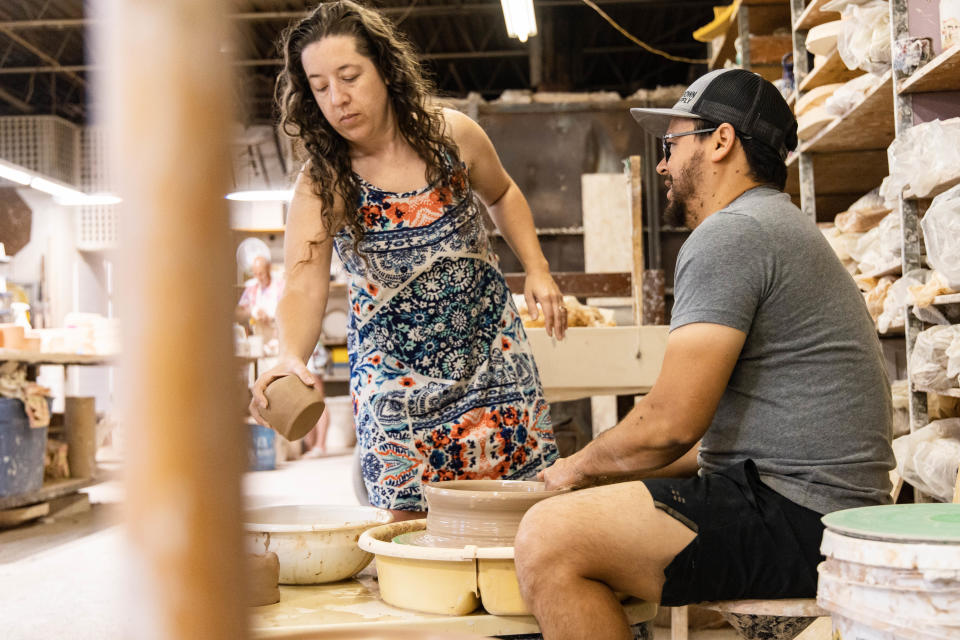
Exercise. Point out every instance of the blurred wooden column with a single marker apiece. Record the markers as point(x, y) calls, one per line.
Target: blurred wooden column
point(166, 91)
point(648, 284)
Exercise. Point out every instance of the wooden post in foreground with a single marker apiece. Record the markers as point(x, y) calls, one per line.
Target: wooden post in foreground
point(636, 214)
point(167, 96)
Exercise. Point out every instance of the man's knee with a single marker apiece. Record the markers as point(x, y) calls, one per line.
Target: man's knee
point(536, 548)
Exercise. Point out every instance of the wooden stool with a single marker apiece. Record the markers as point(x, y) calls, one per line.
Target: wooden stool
point(757, 619)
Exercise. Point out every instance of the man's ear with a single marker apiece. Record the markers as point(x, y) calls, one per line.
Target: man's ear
point(723, 140)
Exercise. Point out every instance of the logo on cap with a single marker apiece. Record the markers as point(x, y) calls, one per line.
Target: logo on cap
point(688, 96)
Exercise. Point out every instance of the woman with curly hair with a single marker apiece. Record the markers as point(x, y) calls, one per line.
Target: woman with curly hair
point(443, 382)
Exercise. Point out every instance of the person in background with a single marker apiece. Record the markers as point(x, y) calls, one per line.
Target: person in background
point(772, 406)
point(258, 303)
point(442, 379)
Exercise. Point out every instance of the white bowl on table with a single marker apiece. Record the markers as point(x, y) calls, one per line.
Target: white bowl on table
point(314, 543)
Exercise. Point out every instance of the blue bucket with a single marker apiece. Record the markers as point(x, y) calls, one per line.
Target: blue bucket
point(21, 450)
point(261, 451)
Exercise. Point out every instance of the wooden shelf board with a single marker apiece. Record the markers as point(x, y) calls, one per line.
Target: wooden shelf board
point(869, 125)
point(258, 230)
point(953, 393)
point(38, 357)
point(48, 491)
point(765, 18)
point(940, 74)
point(937, 190)
point(842, 173)
point(769, 50)
point(831, 71)
point(949, 298)
point(814, 15)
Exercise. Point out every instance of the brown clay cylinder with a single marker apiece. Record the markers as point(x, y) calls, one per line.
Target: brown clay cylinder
point(263, 579)
point(80, 427)
point(165, 93)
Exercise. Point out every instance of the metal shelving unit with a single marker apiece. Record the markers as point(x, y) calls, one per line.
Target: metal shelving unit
point(849, 156)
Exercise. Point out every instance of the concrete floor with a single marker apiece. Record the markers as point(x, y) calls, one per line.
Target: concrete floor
point(66, 578)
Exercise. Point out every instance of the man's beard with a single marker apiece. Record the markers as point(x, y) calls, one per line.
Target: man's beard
point(684, 187)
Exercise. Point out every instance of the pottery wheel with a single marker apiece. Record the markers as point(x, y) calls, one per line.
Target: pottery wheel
point(424, 538)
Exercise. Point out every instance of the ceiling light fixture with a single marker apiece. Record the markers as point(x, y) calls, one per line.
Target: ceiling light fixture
point(273, 195)
point(521, 22)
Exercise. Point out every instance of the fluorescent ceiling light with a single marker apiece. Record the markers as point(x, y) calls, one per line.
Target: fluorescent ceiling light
point(89, 200)
point(55, 189)
point(275, 195)
point(14, 174)
point(521, 22)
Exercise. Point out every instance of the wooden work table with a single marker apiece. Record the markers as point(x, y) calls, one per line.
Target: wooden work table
point(356, 604)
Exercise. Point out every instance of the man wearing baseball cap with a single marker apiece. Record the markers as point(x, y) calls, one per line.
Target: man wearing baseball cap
point(772, 406)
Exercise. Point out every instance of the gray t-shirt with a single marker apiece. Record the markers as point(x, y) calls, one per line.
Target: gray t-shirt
point(809, 399)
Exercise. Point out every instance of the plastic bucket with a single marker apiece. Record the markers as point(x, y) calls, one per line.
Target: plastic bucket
point(261, 450)
point(892, 573)
point(21, 450)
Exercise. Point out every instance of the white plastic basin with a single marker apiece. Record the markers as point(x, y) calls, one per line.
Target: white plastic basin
point(314, 543)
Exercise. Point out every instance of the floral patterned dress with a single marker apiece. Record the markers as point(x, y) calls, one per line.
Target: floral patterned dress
point(442, 379)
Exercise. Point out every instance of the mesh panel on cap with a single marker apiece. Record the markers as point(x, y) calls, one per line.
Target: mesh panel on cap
point(751, 104)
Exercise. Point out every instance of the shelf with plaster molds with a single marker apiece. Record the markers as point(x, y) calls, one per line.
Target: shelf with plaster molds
point(940, 74)
point(868, 126)
point(814, 15)
point(953, 392)
point(831, 71)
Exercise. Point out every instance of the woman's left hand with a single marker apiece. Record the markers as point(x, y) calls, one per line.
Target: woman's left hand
point(539, 287)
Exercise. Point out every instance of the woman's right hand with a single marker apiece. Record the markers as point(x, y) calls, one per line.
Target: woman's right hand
point(285, 365)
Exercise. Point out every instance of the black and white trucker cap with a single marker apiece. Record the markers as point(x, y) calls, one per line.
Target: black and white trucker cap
point(742, 98)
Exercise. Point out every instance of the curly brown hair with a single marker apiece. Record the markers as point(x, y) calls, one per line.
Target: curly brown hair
point(408, 90)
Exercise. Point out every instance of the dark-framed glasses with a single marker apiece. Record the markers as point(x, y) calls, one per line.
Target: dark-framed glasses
point(671, 136)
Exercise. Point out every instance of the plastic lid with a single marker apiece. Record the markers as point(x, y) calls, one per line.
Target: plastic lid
point(939, 523)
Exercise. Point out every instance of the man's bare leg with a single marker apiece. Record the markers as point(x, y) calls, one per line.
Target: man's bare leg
point(573, 551)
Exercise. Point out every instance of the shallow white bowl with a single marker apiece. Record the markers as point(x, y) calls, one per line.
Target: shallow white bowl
point(314, 543)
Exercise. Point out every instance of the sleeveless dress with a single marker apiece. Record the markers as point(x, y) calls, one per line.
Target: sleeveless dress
point(443, 382)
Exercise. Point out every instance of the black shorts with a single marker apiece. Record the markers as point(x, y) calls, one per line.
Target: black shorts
point(751, 541)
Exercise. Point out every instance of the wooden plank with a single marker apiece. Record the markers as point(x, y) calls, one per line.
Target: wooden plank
point(18, 515)
point(869, 125)
point(953, 393)
point(47, 492)
point(769, 49)
point(38, 357)
point(940, 74)
point(597, 361)
point(182, 476)
point(636, 216)
point(832, 70)
point(950, 298)
point(819, 629)
point(842, 173)
point(582, 285)
point(814, 15)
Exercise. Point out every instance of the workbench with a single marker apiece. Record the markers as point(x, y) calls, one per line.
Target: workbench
point(355, 604)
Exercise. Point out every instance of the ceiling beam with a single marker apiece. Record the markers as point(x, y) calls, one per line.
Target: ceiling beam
point(420, 10)
point(32, 48)
point(15, 101)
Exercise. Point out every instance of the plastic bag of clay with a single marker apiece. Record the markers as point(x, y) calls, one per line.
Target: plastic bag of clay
point(864, 214)
point(840, 5)
point(864, 40)
point(844, 99)
point(929, 457)
point(936, 285)
point(900, 396)
point(841, 243)
point(941, 234)
point(897, 299)
point(928, 361)
point(923, 157)
point(878, 250)
point(953, 360)
point(876, 296)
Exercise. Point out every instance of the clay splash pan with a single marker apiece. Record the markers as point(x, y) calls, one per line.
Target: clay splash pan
point(482, 513)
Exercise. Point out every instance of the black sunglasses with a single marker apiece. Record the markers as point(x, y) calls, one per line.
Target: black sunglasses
point(671, 136)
